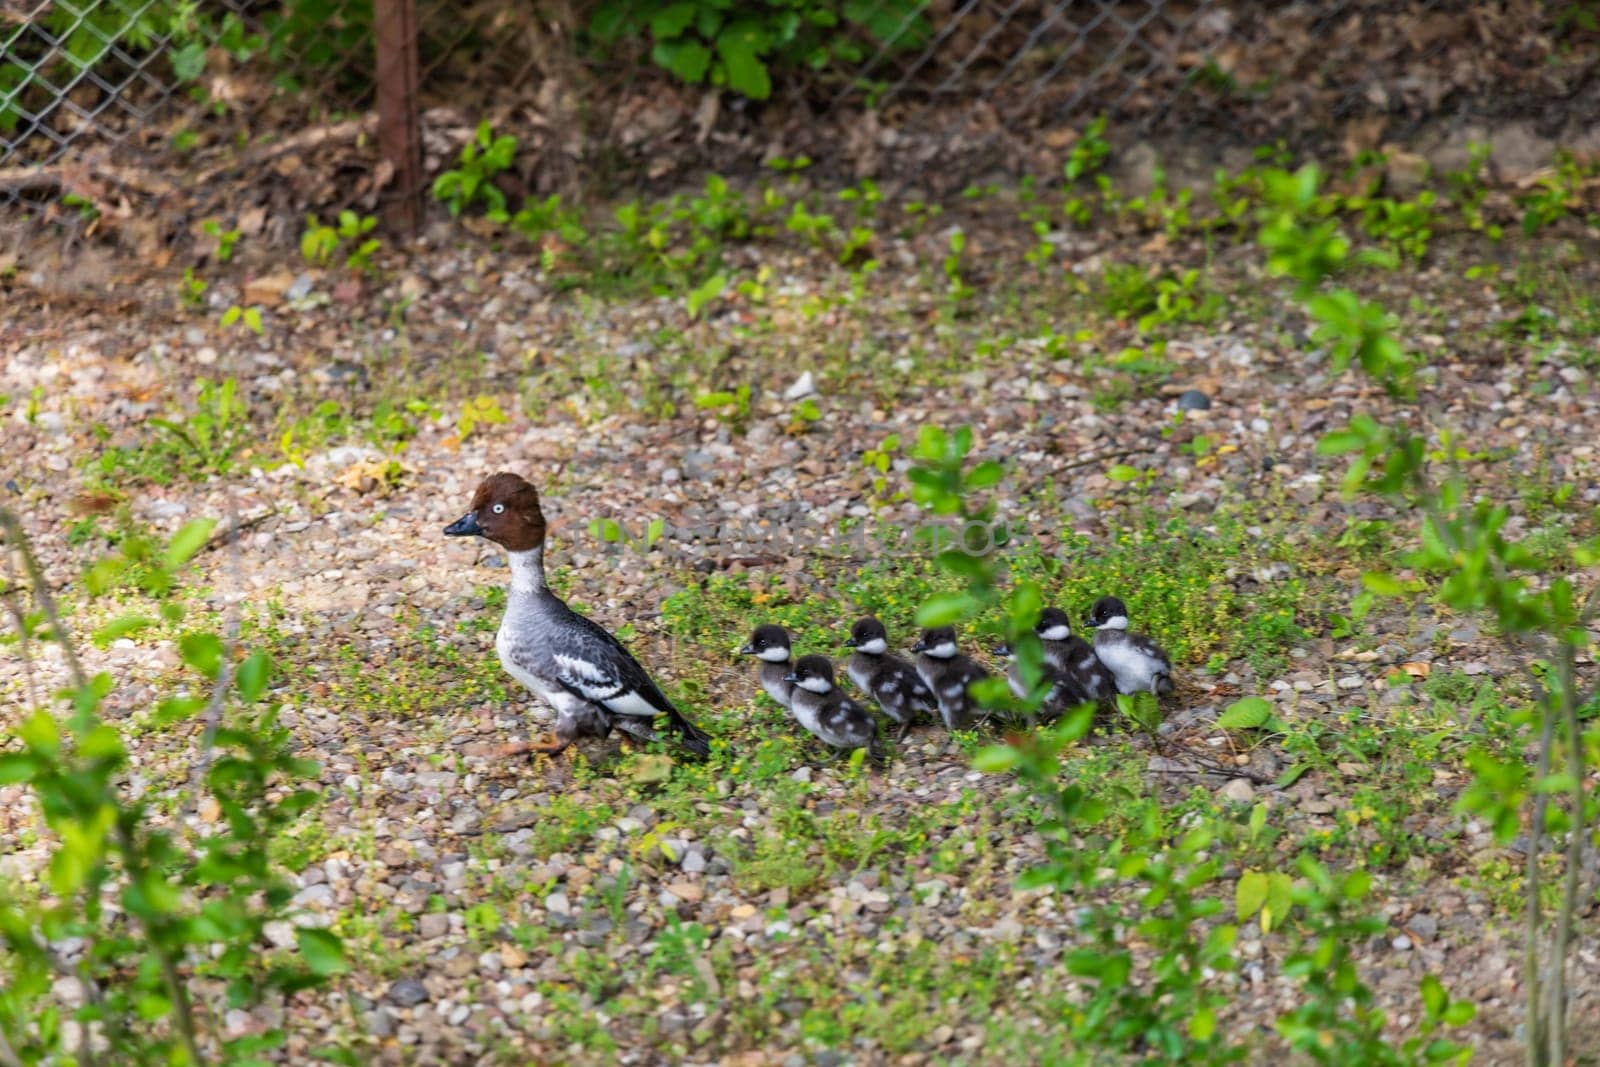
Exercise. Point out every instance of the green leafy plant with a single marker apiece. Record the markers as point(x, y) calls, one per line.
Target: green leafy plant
point(1555, 196)
point(1531, 597)
point(612, 532)
point(478, 411)
point(956, 287)
point(1305, 245)
point(732, 407)
point(168, 922)
point(704, 293)
point(225, 240)
point(192, 290)
point(738, 46)
point(471, 181)
point(1089, 151)
point(319, 242)
point(249, 318)
point(1166, 1008)
point(1403, 226)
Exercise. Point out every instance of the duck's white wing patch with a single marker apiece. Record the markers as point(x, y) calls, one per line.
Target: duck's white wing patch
point(593, 680)
point(630, 703)
point(597, 684)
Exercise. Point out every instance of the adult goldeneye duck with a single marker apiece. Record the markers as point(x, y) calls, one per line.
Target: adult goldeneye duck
point(891, 681)
point(580, 669)
point(1138, 664)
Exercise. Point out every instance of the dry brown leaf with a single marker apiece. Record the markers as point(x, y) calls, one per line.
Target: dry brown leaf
point(268, 290)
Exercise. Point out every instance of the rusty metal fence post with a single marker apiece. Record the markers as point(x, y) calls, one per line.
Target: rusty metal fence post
point(399, 132)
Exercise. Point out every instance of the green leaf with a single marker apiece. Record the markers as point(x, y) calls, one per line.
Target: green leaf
point(1383, 584)
point(704, 293)
point(1561, 782)
point(120, 627)
point(323, 953)
point(740, 47)
point(189, 62)
point(996, 759)
point(984, 475)
point(101, 743)
point(252, 676)
point(671, 20)
point(187, 541)
point(943, 609)
point(1434, 998)
point(40, 733)
point(1250, 894)
point(1202, 1024)
point(202, 651)
point(1123, 473)
point(18, 767)
point(1251, 713)
point(687, 59)
point(1339, 442)
point(1280, 898)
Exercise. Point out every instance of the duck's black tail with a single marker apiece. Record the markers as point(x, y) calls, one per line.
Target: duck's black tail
point(695, 739)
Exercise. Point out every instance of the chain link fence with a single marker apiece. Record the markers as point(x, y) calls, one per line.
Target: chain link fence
point(111, 106)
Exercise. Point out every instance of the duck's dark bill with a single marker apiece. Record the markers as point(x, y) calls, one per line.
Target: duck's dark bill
point(465, 526)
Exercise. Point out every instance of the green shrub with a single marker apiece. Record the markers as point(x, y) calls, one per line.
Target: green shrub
point(739, 45)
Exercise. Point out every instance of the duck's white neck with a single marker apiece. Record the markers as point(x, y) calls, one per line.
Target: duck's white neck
point(527, 570)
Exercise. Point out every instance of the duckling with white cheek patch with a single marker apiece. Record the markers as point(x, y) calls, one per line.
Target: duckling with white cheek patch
point(949, 674)
point(770, 644)
point(829, 715)
point(891, 681)
point(1138, 664)
point(1072, 657)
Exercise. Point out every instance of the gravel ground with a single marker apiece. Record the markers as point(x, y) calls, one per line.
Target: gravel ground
point(595, 871)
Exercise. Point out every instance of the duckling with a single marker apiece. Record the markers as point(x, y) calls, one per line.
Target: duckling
point(829, 715)
point(949, 674)
point(1138, 664)
point(1072, 657)
point(770, 644)
point(887, 678)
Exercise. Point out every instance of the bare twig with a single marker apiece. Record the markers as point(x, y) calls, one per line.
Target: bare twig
point(212, 717)
point(1535, 1021)
point(20, 618)
point(182, 1007)
point(1087, 461)
point(315, 137)
point(1566, 669)
point(8, 1055)
point(41, 588)
point(235, 527)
